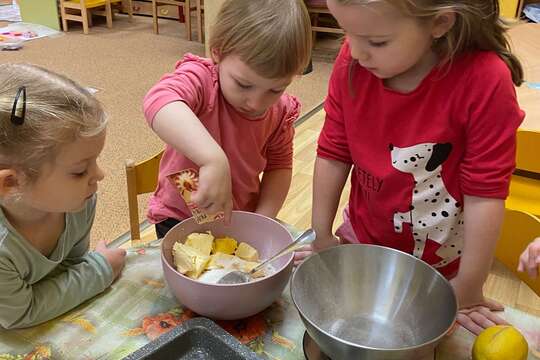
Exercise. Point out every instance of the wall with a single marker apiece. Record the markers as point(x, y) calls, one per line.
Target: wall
point(44, 12)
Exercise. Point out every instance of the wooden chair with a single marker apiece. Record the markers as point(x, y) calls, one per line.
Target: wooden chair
point(82, 11)
point(316, 9)
point(200, 20)
point(188, 7)
point(518, 230)
point(141, 178)
point(525, 183)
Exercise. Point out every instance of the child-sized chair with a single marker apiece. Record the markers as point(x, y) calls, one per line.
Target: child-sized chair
point(82, 11)
point(518, 230)
point(188, 6)
point(316, 10)
point(525, 183)
point(141, 178)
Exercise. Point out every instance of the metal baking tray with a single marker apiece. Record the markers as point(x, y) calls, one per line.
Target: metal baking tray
point(195, 339)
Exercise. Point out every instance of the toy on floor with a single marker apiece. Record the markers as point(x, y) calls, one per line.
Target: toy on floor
point(9, 43)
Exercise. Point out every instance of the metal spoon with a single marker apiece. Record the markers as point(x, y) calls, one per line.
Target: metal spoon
point(239, 277)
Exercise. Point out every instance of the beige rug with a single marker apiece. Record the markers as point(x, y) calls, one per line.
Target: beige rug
point(123, 63)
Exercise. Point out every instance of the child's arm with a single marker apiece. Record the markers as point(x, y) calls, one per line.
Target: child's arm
point(328, 180)
point(483, 218)
point(275, 185)
point(177, 125)
point(530, 259)
point(24, 304)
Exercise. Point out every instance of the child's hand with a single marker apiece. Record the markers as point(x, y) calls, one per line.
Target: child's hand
point(324, 242)
point(319, 244)
point(115, 256)
point(214, 193)
point(302, 253)
point(475, 312)
point(480, 317)
point(529, 261)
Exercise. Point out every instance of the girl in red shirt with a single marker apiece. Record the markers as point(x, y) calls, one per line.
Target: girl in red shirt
point(422, 108)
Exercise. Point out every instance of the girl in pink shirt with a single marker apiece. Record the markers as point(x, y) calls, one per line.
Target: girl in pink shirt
point(228, 116)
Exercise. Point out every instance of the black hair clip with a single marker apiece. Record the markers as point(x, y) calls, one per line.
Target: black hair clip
point(19, 107)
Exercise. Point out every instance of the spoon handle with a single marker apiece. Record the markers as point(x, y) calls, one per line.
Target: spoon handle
point(307, 237)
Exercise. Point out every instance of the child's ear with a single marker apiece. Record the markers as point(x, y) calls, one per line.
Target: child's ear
point(215, 55)
point(443, 23)
point(9, 182)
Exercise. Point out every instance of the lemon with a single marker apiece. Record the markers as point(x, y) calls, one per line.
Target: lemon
point(500, 342)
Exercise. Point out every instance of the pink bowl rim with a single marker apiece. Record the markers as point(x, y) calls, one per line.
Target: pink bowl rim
point(291, 256)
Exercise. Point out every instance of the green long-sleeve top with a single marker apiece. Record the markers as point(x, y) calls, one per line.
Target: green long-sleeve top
point(35, 288)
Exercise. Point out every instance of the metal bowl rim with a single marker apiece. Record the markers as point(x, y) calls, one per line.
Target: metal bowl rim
point(432, 341)
point(288, 263)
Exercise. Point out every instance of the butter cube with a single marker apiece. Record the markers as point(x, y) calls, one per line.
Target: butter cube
point(201, 241)
point(225, 245)
point(247, 252)
point(221, 261)
point(230, 262)
point(189, 261)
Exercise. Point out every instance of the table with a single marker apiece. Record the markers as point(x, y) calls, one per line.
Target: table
point(139, 307)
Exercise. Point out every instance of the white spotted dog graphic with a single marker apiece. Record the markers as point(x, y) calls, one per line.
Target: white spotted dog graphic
point(434, 214)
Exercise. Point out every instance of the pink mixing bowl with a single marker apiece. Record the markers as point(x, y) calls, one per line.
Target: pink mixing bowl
point(235, 301)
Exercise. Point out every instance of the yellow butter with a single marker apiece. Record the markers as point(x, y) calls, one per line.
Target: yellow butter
point(225, 245)
point(247, 252)
point(189, 261)
point(201, 241)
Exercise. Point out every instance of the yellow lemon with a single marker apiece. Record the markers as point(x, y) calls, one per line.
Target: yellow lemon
point(500, 342)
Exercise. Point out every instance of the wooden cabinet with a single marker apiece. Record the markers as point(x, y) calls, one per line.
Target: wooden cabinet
point(144, 7)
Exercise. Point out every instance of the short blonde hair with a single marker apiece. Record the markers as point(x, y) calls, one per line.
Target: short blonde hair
point(58, 111)
point(273, 37)
point(478, 27)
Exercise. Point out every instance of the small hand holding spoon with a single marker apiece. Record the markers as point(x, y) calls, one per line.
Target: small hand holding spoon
point(239, 277)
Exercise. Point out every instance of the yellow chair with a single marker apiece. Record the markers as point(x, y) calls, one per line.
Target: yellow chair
point(518, 230)
point(525, 183)
point(141, 178)
point(82, 11)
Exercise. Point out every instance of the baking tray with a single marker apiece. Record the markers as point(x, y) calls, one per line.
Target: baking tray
point(197, 339)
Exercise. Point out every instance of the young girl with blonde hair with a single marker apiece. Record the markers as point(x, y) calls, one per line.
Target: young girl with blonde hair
point(51, 133)
point(228, 116)
point(422, 108)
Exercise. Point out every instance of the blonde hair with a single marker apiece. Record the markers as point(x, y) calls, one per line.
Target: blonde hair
point(58, 111)
point(273, 37)
point(477, 27)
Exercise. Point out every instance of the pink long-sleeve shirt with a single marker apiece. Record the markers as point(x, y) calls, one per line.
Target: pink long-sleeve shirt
point(253, 146)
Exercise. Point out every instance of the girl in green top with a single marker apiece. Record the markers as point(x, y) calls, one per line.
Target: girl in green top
point(51, 133)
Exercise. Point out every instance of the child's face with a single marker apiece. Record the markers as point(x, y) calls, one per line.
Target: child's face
point(66, 183)
point(249, 93)
point(383, 40)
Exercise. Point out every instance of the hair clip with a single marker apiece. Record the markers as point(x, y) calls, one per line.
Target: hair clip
point(19, 107)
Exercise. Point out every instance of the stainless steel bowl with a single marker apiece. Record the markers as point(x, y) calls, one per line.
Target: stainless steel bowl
point(371, 302)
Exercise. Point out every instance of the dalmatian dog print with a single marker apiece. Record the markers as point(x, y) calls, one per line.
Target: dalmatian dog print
point(433, 214)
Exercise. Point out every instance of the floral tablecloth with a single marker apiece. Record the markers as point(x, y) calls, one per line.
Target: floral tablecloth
point(139, 307)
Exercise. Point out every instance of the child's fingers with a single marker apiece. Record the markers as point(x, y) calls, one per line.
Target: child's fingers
point(492, 305)
point(489, 317)
point(101, 245)
point(530, 264)
point(520, 267)
point(200, 198)
point(227, 213)
point(468, 323)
